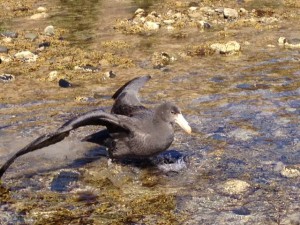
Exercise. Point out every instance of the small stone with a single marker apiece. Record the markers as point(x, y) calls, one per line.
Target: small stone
point(3, 49)
point(149, 25)
point(235, 186)
point(139, 11)
point(49, 30)
point(9, 34)
point(38, 16)
point(31, 36)
point(290, 172)
point(207, 10)
point(5, 58)
point(282, 40)
point(44, 45)
point(27, 56)
point(52, 75)
point(110, 74)
point(230, 13)
point(7, 78)
point(243, 211)
point(243, 11)
point(203, 24)
point(41, 9)
point(293, 43)
point(228, 48)
point(7, 40)
point(64, 83)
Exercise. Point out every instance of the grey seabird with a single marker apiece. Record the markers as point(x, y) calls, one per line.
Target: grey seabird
point(132, 130)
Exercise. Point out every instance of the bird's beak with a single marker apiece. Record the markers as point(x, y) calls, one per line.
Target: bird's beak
point(180, 120)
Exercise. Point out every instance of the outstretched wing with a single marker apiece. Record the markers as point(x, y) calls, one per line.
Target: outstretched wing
point(90, 118)
point(126, 98)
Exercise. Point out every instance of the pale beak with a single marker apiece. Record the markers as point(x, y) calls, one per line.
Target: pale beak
point(179, 119)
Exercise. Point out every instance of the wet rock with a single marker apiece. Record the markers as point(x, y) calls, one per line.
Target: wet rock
point(230, 13)
point(52, 75)
point(43, 45)
point(31, 36)
point(87, 68)
point(290, 172)
point(64, 83)
point(149, 25)
point(7, 78)
point(234, 186)
point(282, 41)
point(38, 16)
point(49, 30)
point(9, 34)
point(3, 49)
point(64, 180)
point(242, 134)
point(26, 56)
point(243, 211)
point(228, 48)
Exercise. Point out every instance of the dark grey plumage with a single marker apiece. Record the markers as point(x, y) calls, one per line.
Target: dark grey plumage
point(132, 131)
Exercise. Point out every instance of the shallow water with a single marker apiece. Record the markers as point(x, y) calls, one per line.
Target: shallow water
point(244, 110)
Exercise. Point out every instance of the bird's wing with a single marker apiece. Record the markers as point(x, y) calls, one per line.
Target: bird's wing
point(126, 97)
point(90, 118)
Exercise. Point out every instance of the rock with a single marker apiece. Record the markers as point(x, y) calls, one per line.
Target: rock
point(31, 36)
point(52, 75)
point(109, 74)
point(27, 56)
point(7, 78)
point(64, 83)
point(41, 9)
point(160, 60)
point(207, 10)
point(38, 16)
point(149, 25)
point(293, 43)
point(242, 134)
point(5, 58)
point(3, 49)
point(87, 68)
point(243, 211)
point(282, 40)
point(243, 11)
point(7, 40)
point(235, 186)
point(230, 13)
point(9, 34)
point(228, 48)
point(290, 172)
point(139, 11)
point(49, 30)
point(293, 219)
point(44, 45)
point(203, 24)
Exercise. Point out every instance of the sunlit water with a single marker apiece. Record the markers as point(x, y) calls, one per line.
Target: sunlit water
point(244, 111)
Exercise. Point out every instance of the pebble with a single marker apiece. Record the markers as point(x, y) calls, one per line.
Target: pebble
point(3, 49)
point(281, 40)
point(87, 68)
point(49, 30)
point(243, 211)
point(41, 9)
point(5, 58)
point(149, 25)
point(109, 74)
point(169, 22)
point(10, 34)
point(31, 36)
point(64, 83)
point(38, 16)
point(52, 75)
point(7, 40)
point(293, 43)
point(235, 186)
point(230, 13)
point(228, 48)
point(290, 172)
point(27, 56)
point(203, 24)
point(7, 78)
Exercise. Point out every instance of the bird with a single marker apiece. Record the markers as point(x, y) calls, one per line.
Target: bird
point(133, 131)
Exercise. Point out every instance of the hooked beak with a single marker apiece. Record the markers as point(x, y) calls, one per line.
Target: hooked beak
point(179, 119)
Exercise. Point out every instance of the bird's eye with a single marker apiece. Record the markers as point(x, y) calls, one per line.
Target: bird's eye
point(173, 112)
